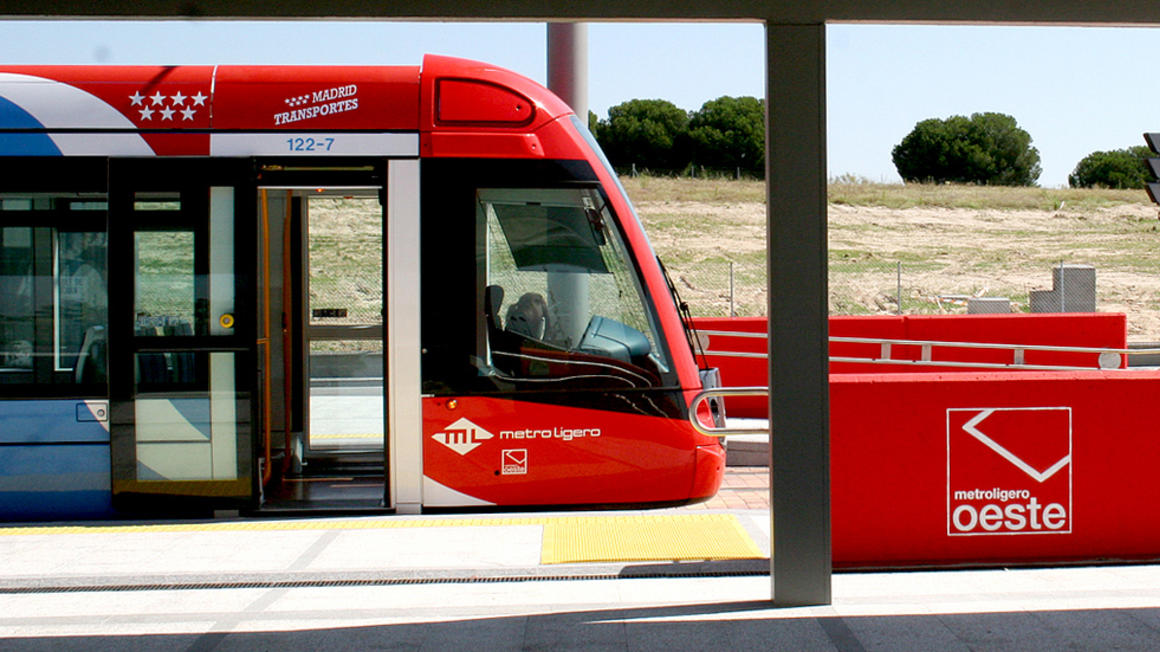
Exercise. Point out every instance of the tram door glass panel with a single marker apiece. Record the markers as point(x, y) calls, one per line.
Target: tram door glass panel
point(560, 294)
point(182, 379)
point(345, 319)
point(186, 416)
point(186, 412)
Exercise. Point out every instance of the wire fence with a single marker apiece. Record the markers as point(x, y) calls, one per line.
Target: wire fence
point(346, 268)
point(721, 288)
point(878, 286)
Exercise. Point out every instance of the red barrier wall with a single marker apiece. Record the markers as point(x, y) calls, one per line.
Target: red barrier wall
point(1096, 330)
point(739, 372)
point(977, 468)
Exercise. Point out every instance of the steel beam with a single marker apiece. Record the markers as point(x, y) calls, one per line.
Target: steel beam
point(801, 12)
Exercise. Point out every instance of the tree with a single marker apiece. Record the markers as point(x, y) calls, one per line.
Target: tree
point(728, 133)
point(651, 134)
point(987, 148)
point(1119, 168)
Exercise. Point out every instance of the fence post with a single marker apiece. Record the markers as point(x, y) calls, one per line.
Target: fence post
point(1062, 287)
point(732, 305)
point(899, 287)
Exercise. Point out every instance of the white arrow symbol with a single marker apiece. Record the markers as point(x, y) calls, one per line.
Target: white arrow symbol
point(970, 428)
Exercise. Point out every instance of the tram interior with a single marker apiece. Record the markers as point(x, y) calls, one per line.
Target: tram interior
point(325, 311)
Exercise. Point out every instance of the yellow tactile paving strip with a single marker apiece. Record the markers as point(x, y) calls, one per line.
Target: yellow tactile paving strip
point(566, 539)
point(646, 538)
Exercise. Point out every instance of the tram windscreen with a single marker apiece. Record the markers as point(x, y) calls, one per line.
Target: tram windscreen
point(561, 286)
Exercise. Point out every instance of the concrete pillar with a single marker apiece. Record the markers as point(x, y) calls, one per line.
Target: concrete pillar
point(798, 314)
point(568, 65)
point(568, 78)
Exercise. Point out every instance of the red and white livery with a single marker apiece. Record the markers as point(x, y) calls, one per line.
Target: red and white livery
point(164, 343)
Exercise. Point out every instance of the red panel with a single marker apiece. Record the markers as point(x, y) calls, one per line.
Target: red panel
point(300, 98)
point(993, 468)
point(150, 97)
point(877, 326)
point(1095, 330)
point(498, 83)
point(710, 471)
point(473, 102)
point(518, 453)
point(316, 98)
point(1080, 329)
point(181, 144)
point(482, 145)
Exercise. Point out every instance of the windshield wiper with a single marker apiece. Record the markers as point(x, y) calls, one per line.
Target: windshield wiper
point(686, 317)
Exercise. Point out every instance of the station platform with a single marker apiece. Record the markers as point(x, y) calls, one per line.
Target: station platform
point(695, 577)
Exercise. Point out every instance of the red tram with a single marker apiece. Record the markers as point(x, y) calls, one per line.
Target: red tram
point(170, 336)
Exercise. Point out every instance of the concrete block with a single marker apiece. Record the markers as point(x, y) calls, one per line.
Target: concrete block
point(747, 450)
point(988, 305)
point(1073, 290)
point(1077, 284)
point(1044, 301)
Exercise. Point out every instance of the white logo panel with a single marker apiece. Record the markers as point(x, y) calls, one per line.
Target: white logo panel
point(463, 436)
point(1009, 471)
point(514, 461)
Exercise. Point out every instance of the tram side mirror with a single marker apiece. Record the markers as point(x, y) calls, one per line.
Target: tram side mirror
point(612, 339)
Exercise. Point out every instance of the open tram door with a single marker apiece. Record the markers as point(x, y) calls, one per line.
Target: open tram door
point(222, 394)
point(326, 291)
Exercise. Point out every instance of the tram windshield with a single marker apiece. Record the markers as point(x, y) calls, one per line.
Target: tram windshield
point(563, 299)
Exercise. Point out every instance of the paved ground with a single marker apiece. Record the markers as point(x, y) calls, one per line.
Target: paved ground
point(331, 584)
point(744, 487)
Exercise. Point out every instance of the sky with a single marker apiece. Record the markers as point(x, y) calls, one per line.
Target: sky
point(1075, 90)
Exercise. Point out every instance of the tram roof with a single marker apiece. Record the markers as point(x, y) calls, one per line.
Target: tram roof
point(443, 94)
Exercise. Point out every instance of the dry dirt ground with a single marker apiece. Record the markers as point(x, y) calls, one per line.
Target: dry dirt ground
point(943, 251)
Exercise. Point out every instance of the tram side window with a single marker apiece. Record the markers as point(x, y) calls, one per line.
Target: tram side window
point(562, 301)
point(53, 294)
point(83, 303)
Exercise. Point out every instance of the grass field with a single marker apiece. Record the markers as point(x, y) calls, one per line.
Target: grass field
point(862, 193)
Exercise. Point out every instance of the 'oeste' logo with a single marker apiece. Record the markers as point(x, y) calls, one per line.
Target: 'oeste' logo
point(462, 436)
point(1008, 471)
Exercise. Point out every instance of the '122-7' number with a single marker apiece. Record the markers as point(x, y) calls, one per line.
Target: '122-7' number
point(310, 144)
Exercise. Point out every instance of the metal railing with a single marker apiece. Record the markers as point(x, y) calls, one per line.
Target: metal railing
point(724, 392)
point(1108, 359)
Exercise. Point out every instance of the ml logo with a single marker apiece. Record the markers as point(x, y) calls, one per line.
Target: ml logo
point(462, 436)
